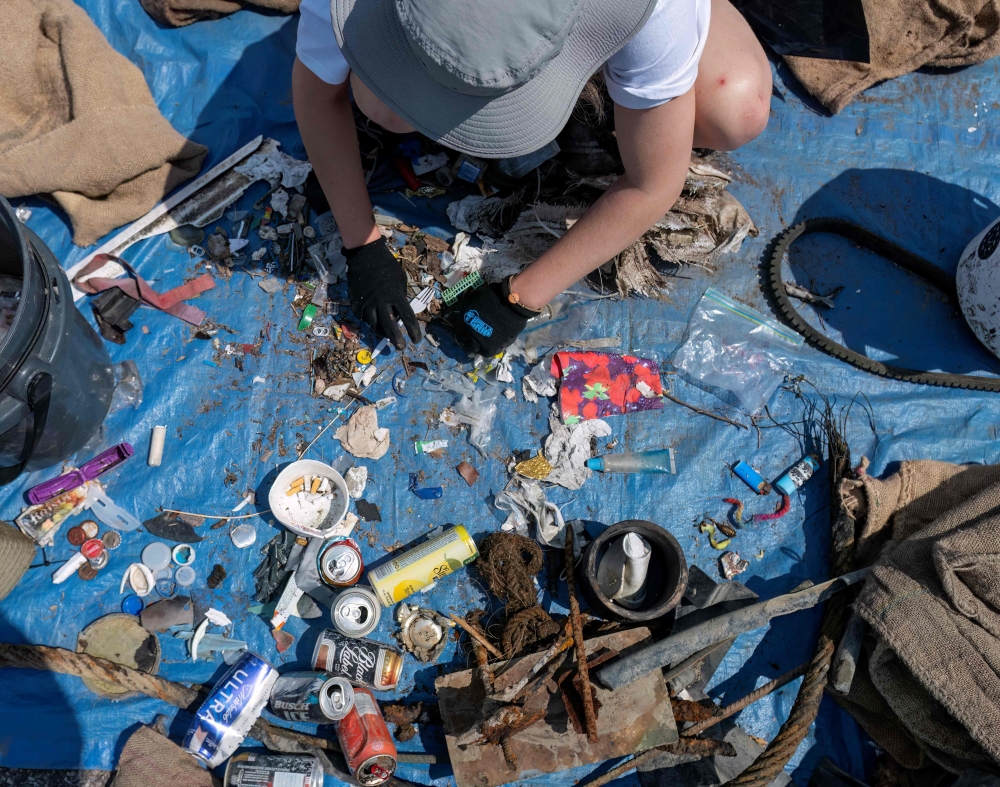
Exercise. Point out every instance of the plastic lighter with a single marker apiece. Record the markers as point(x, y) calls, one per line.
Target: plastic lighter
point(751, 478)
point(96, 467)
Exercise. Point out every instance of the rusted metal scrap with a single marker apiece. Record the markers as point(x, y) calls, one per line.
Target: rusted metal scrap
point(573, 700)
point(689, 710)
point(590, 718)
point(500, 727)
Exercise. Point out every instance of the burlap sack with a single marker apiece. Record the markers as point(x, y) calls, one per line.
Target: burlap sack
point(933, 602)
point(177, 13)
point(905, 35)
point(16, 554)
point(151, 760)
point(77, 121)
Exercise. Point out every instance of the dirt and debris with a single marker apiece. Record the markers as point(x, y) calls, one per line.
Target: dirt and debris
point(217, 576)
point(406, 718)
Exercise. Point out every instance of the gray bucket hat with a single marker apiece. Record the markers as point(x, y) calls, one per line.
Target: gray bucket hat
point(493, 78)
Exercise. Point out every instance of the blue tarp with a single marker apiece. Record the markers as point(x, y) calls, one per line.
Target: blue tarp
point(915, 159)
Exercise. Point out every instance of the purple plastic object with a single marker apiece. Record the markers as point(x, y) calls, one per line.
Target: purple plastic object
point(97, 466)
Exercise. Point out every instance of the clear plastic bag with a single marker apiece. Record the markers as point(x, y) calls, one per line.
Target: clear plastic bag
point(128, 387)
point(735, 348)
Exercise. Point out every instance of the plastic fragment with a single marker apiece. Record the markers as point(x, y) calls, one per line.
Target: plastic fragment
point(217, 617)
point(426, 492)
point(426, 446)
point(196, 639)
point(282, 639)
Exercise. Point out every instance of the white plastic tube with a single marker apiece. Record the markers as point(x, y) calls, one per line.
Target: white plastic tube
point(156, 441)
point(68, 569)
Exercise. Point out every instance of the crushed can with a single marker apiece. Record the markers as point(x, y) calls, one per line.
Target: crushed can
point(233, 705)
point(365, 741)
point(340, 563)
point(423, 565)
point(250, 769)
point(311, 696)
point(363, 662)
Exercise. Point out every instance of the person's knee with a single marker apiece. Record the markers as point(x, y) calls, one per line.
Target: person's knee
point(743, 104)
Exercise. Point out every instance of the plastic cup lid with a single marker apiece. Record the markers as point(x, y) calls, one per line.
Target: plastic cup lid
point(184, 576)
point(156, 556)
point(183, 554)
point(243, 536)
point(132, 605)
point(163, 573)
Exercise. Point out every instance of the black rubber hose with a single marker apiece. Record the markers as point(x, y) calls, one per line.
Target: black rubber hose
point(901, 257)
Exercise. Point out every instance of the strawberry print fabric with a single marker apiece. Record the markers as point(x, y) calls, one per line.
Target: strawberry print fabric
point(596, 385)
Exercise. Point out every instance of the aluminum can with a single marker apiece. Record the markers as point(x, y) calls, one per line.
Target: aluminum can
point(356, 611)
point(423, 565)
point(250, 769)
point(363, 662)
point(233, 705)
point(340, 563)
point(311, 696)
point(799, 473)
point(366, 742)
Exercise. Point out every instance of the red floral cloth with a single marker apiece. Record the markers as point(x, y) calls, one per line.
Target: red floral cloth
point(595, 385)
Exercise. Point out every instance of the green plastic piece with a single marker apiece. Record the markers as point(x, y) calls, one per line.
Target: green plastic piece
point(308, 315)
point(470, 282)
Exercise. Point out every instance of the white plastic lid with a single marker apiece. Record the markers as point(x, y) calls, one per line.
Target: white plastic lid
point(156, 556)
point(184, 576)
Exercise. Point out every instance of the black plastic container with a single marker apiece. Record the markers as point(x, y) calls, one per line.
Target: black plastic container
point(56, 379)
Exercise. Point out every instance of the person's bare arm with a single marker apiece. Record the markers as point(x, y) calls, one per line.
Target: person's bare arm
point(326, 122)
point(655, 146)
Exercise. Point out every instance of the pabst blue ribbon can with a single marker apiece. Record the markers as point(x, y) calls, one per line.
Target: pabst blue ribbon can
point(363, 662)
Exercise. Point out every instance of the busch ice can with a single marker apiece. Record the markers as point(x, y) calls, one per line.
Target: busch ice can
point(231, 708)
point(250, 769)
point(365, 741)
point(363, 662)
point(311, 696)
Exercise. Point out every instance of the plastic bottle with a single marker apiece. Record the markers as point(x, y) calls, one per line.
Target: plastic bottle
point(661, 461)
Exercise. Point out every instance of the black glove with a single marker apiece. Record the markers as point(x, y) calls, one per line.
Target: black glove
point(376, 286)
point(487, 322)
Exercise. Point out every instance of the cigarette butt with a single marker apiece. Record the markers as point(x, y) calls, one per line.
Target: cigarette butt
point(299, 481)
point(293, 490)
point(317, 482)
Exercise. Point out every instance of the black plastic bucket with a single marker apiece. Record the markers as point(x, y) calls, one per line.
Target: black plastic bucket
point(56, 379)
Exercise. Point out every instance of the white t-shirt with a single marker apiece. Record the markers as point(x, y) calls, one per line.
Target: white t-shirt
point(659, 63)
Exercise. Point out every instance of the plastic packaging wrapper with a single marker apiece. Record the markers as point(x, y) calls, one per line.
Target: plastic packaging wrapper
point(735, 348)
point(478, 411)
point(565, 320)
point(833, 29)
point(128, 387)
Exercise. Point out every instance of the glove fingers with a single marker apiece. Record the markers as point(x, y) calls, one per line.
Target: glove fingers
point(410, 322)
point(387, 324)
point(369, 315)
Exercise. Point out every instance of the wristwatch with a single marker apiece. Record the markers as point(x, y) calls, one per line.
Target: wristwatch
point(514, 300)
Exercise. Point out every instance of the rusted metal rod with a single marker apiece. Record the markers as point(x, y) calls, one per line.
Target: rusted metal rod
point(473, 632)
point(589, 716)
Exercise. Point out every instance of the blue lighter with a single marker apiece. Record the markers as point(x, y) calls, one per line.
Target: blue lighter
point(751, 478)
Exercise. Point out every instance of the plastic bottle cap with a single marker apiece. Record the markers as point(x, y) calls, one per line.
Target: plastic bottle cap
point(597, 463)
point(164, 573)
point(185, 576)
point(132, 605)
point(156, 556)
point(364, 357)
point(243, 536)
point(183, 554)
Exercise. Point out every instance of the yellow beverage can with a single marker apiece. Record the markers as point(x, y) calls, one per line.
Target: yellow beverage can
point(416, 569)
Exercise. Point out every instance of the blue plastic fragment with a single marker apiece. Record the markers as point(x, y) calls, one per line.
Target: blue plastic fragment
point(426, 492)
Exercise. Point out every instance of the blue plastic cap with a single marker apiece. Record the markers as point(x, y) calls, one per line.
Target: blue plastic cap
point(597, 463)
point(132, 605)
